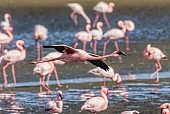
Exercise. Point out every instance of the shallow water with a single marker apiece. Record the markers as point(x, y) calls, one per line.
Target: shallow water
point(137, 90)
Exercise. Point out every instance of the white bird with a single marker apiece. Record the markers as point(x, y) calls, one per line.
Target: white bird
point(55, 105)
point(84, 36)
point(5, 25)
point(107, 74)
point(97, 35)
point(40, 34)
point(130, 26)
point(103, 7)
point(78, 9)
point(114, 34)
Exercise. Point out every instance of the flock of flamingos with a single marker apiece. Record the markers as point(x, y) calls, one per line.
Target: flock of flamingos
point(45, 65)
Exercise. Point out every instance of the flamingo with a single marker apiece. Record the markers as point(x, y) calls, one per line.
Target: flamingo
point(103, 7)
point(11, 57)
point(44, 69)
point(97, 104)
point(55, 105)
point(130, 26)
point(5, 38)
point(74, 55)
point(78, 9)
point(153, 53)
point(165, 108)
point(40, 34)
point(5, 25)
point(114, 34)
point(84, 36)
point(130, 112)
point(97, 35)
point(107, 74)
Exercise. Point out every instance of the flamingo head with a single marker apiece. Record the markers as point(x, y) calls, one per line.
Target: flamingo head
point(165, 111)
point(60, 95)
point(105, 91)
point(100, 24)
point(7, 16)
point(111, 4)
point(118, 79)
point(117, 53)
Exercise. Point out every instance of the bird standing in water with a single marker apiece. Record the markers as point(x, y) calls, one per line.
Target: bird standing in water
point(78, 9)
point(153, 53)
point(97, 104)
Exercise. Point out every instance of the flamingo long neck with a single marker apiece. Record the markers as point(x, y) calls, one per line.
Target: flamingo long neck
point(10, 35)
point(86, 18)
point(104, 97)
point(89, 32)
point(22, 49)
point(100, 29)
point(6, 19)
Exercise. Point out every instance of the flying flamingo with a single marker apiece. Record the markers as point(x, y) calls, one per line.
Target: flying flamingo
point(5, 38)
point(97, 104)
point(107, 74)
point(40, 34)
point(97, 35)
point(165, 108)
point(114, 34)
point(74, 55)
point(55, 105)
point(130, 26)
point(13, 56)
point(44, 69)
point(153, 53)
point(103, 7)
point(5, 25)
point(78, 9)
point(84, 36)
point(130, 112)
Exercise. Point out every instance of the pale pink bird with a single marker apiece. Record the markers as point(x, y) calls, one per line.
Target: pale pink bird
point(97, 104)
point(153, 53)
point(5, 25)
point(107, 74)
point(55, 106)
point(78, 9)
point(114, 34)
point(130, 112)
point(13, 56)
point(103, 7)
point(74, 55)
point(43, 69)
point(40, 34)
point(5, 38)
point(84, 36)
point(97, 35)
point(130, 26)
point(165, 108)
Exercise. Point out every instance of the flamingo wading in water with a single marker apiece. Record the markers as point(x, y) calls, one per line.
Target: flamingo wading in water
point(103, 7)
point(78, 9)
point(40, 34)
point(97, 104)
point(13, 56)
point(84, 36)
point(114, 34)
point(153, 53)
point(55, 105)
point(74, 55)
point(97, 35)
point(107, 74)
point(130, 26)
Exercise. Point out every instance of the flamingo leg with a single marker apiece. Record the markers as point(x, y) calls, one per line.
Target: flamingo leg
point(48, 78)
point(2, 50)
point(158, 68)
point(4, 73)
point(117, 48)
point(84, 46)
point(42, 50)
point(91, 44)
point(96, 19)
point(38, 50)
point(127, 41)
point(106, 20)
point(105, 44)
point(75, 45)
point(104, 81)
point(13, 74)
point(42, 83)
point(72, 15)
point(94, 48)
point(57, 79)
